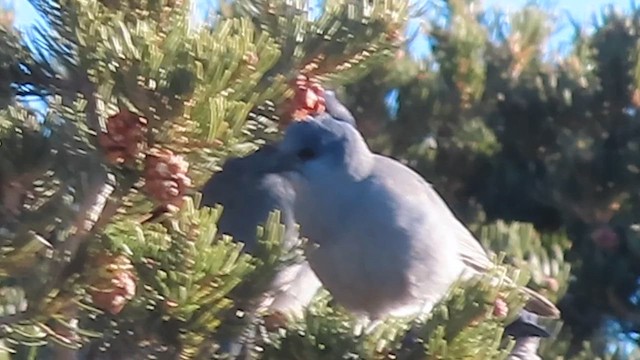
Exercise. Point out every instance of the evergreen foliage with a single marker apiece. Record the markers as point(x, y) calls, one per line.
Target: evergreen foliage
point(535, 153)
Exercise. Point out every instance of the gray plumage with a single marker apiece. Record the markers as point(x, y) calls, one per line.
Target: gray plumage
point(248, 196)
point(387, 243)
point(525, 349)
point(336, 109)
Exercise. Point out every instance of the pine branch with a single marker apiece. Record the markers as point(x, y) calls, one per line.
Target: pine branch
point(90, 212)
point(14, 319)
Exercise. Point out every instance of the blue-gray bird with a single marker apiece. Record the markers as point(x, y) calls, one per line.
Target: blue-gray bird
point(247, 196)
point(386, 242)
point(336, 109)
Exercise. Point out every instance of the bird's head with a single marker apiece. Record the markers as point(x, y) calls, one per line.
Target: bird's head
point(319, 147)
point(337, 110)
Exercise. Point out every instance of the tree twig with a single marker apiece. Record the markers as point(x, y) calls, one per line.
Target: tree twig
point(89, 215)
point(13, 318)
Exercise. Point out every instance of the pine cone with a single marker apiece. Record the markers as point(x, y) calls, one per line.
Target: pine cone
point(500, 308)
point(125, 136)
point(551, 284)
point(275, 320)
point(308, 100)
point(394, 36)
point(166, 177)
point(114, 283)
point(251, 59)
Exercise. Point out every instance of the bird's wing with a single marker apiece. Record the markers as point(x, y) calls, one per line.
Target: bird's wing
point(411, 185)
point(475, 257)
point(402, 182)
point(472, 253)
point(247, 197)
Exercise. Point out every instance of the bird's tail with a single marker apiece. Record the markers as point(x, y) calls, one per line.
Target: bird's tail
point(537, 303)
point(540, 305)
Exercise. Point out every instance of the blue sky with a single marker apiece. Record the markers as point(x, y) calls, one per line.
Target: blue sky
point(580, 9)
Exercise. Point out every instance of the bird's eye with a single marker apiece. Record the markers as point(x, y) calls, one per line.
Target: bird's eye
point(306, 154)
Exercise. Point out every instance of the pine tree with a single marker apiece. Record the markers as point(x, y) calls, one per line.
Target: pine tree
point(141, 108)
point(509, 132)
point(106, 253)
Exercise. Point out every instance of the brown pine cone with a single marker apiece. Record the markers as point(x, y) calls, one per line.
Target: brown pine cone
point(113, 284)
point(500, 308)
point(125, 137)
point(308, 100)
point(166, 179)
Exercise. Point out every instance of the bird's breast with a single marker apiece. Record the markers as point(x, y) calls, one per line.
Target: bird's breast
point(323, 216)
point(360, 260)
